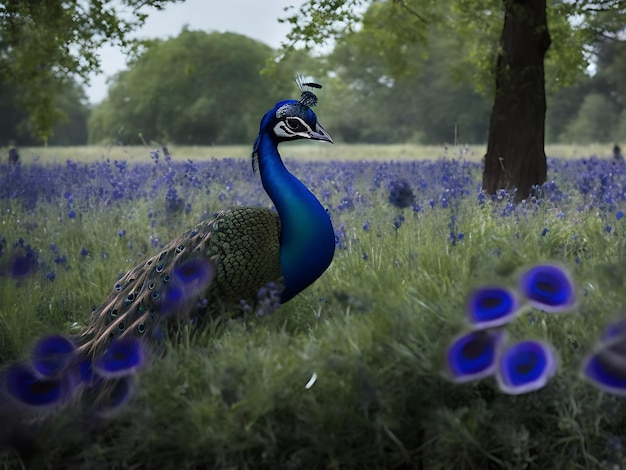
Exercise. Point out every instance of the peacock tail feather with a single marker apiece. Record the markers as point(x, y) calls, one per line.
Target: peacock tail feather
point(222, 266)
point(207, 271)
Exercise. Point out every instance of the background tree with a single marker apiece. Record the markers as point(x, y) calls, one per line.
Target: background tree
point(424, 102)
point(194, 89)
point(512, 62)
point(593, 109)
point(45, 43)
point(69, 129)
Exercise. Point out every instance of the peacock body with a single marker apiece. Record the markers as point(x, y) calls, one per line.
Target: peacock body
point(218, 266)
point(211, 268)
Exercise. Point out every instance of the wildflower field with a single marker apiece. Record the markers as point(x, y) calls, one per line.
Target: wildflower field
point(349, 373)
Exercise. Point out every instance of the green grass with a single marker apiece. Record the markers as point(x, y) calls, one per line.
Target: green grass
point(343, 152)
point(372, 331)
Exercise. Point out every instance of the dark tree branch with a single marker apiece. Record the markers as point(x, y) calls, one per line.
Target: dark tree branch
point(403, 4)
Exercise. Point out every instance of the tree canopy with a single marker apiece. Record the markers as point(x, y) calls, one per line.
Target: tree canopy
point(514, 60)
point(398, 71)
point(46, 43)
point(392, 26)
point(196, 89)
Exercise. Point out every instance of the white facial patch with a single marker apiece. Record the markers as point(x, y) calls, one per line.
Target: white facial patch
point(292, 127)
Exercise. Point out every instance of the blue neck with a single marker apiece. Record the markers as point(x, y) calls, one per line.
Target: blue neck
point(307, 238)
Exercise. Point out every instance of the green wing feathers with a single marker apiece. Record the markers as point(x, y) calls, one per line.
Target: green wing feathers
point(230, 258)
point(246, 252)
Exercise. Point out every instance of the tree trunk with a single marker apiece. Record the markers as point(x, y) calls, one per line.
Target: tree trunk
point(515, 150)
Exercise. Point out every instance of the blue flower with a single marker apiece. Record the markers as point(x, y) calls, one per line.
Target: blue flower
point(548, 287)
point(398, 221)
point(472, 356)
point(491, 306)
point(605, 366)
point(400, 194)
point(52, 355)
point(29, 389)
point(123, 357)
point(525, 366)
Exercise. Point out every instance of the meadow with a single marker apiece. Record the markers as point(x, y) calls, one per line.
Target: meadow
point(348, 373)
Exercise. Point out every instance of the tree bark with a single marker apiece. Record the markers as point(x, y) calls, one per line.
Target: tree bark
point(515, 156)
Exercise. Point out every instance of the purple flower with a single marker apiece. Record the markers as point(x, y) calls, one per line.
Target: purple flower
point(398, 221)
point(400, 194)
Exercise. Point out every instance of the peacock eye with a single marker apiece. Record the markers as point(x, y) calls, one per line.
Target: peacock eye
point(295, 124)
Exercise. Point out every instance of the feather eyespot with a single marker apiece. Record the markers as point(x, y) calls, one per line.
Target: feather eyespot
point(180, 248)
point(159, 268)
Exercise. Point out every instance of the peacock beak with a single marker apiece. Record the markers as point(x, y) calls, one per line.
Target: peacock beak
point(320, 134)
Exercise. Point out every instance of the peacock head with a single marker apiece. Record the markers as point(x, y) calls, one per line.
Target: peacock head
point(294, 119)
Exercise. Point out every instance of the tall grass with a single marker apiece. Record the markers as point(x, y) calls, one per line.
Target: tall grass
point(347, 374)
point(300, 151)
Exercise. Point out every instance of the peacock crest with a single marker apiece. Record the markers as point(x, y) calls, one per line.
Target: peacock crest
point(307, 97)
point(244, 260)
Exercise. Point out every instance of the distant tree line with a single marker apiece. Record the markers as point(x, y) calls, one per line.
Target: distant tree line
point(207, 89)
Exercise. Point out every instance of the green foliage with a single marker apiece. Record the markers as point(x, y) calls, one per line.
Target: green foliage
point(197, 88)
point(371, 331)
point(70, 128)
point(574, 26)
point(426, 103)
point(45, 43)
point(396, 48)
point(592, 109)
point(595, 121)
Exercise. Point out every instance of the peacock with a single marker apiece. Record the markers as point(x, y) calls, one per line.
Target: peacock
point(220, 265)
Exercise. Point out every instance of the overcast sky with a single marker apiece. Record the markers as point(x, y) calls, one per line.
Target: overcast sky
point(257, 19)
